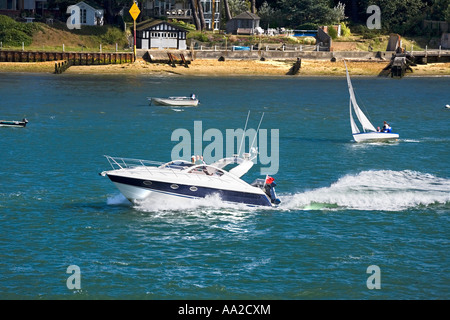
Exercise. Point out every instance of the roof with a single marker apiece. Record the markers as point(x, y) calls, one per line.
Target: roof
point(247, 16)
point(89, 4)
point(148, 24)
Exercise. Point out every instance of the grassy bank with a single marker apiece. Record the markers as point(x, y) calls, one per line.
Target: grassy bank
point(39, 36)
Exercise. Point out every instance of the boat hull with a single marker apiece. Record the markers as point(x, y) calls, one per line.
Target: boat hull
point(16, 124)
point(138, 189)
point(375, 137)
point(175, 102)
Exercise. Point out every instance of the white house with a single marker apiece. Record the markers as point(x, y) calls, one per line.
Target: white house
point(158, 34)
point(182, 10)
point(90, 15)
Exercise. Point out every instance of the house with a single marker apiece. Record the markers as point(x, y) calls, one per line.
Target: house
point(22, 4)
point(172, 9)
point(244, 23)
point(32, 4)
point(208, 7)
point(158, 34)
point(90, 15)
point(182, 10)
point(9, 5)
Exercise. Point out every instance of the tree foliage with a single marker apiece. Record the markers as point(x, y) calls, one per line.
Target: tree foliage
point(401, 16)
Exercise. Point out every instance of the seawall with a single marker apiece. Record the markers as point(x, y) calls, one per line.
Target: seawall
point(159, 55)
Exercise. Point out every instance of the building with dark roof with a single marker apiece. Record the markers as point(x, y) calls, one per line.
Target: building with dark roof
point(244, 23)
point(158, 34)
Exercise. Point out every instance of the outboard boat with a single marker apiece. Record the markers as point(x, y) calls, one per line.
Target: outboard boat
point(190, 101)
point(14, 123)
point(146, 180)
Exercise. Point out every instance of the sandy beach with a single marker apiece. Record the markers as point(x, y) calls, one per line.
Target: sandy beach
point(212, 67)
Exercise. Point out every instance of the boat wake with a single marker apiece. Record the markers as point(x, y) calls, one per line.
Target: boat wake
point(210, 202)
point(384, 190)
point(182, 204)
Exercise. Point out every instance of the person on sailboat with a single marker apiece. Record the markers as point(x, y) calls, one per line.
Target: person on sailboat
point(386, 127)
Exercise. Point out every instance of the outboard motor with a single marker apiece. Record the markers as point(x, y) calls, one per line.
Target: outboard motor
point(269, 189)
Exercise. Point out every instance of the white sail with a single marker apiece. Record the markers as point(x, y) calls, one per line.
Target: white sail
point(352, 122)
point(365, 123)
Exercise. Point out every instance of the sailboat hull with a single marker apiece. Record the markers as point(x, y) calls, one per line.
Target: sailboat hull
point(375, 137)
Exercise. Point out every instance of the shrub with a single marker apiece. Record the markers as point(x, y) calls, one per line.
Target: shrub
point(14, 33)
point(345, 31)
point(113, 36)
point(332, 32)
point(307, 26)
point(15, 38)
point(199, 36)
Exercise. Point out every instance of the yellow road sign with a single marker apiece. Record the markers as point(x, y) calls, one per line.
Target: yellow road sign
point(134, 11)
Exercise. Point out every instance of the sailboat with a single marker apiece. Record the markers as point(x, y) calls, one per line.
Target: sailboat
point(369, 133)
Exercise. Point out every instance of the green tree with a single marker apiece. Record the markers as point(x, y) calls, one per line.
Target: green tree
point(447, 13)
point(238, 6)
point(270, 16)
point(437, 9)
point(226, 8)
point(399, 16)
point(306, 11)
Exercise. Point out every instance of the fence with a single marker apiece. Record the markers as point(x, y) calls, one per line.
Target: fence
point(75, 58)
point(268, 47)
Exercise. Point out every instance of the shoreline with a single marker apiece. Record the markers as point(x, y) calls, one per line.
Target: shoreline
point(214, 68)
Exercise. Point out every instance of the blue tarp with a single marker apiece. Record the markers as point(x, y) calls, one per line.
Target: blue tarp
point(241, 48)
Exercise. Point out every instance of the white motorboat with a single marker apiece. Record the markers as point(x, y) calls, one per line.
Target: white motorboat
point(447, 106)
point(369, 134)
point(146, 180)
point(191, 101)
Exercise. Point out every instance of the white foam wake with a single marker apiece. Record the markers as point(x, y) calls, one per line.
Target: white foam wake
point(375, 190)
point(210, 203)
point(164, 204)
point(384, 190)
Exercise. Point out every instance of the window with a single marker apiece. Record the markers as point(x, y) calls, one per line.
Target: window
point(82, 15)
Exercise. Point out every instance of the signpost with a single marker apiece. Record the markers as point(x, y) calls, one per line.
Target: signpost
point(134, 12)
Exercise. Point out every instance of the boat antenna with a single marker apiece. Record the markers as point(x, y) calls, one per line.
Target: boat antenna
point(243, 134)
point(257, 130)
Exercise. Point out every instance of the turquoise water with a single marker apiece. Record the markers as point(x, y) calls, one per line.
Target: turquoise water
point(345, 206)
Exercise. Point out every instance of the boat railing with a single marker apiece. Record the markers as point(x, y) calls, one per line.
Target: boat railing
point(128, 163)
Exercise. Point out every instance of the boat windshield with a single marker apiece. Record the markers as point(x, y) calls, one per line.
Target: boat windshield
point(177, 164)
point(207, 170)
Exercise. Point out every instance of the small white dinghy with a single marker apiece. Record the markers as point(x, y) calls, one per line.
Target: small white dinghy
point(191, 101)
point(369, 134)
